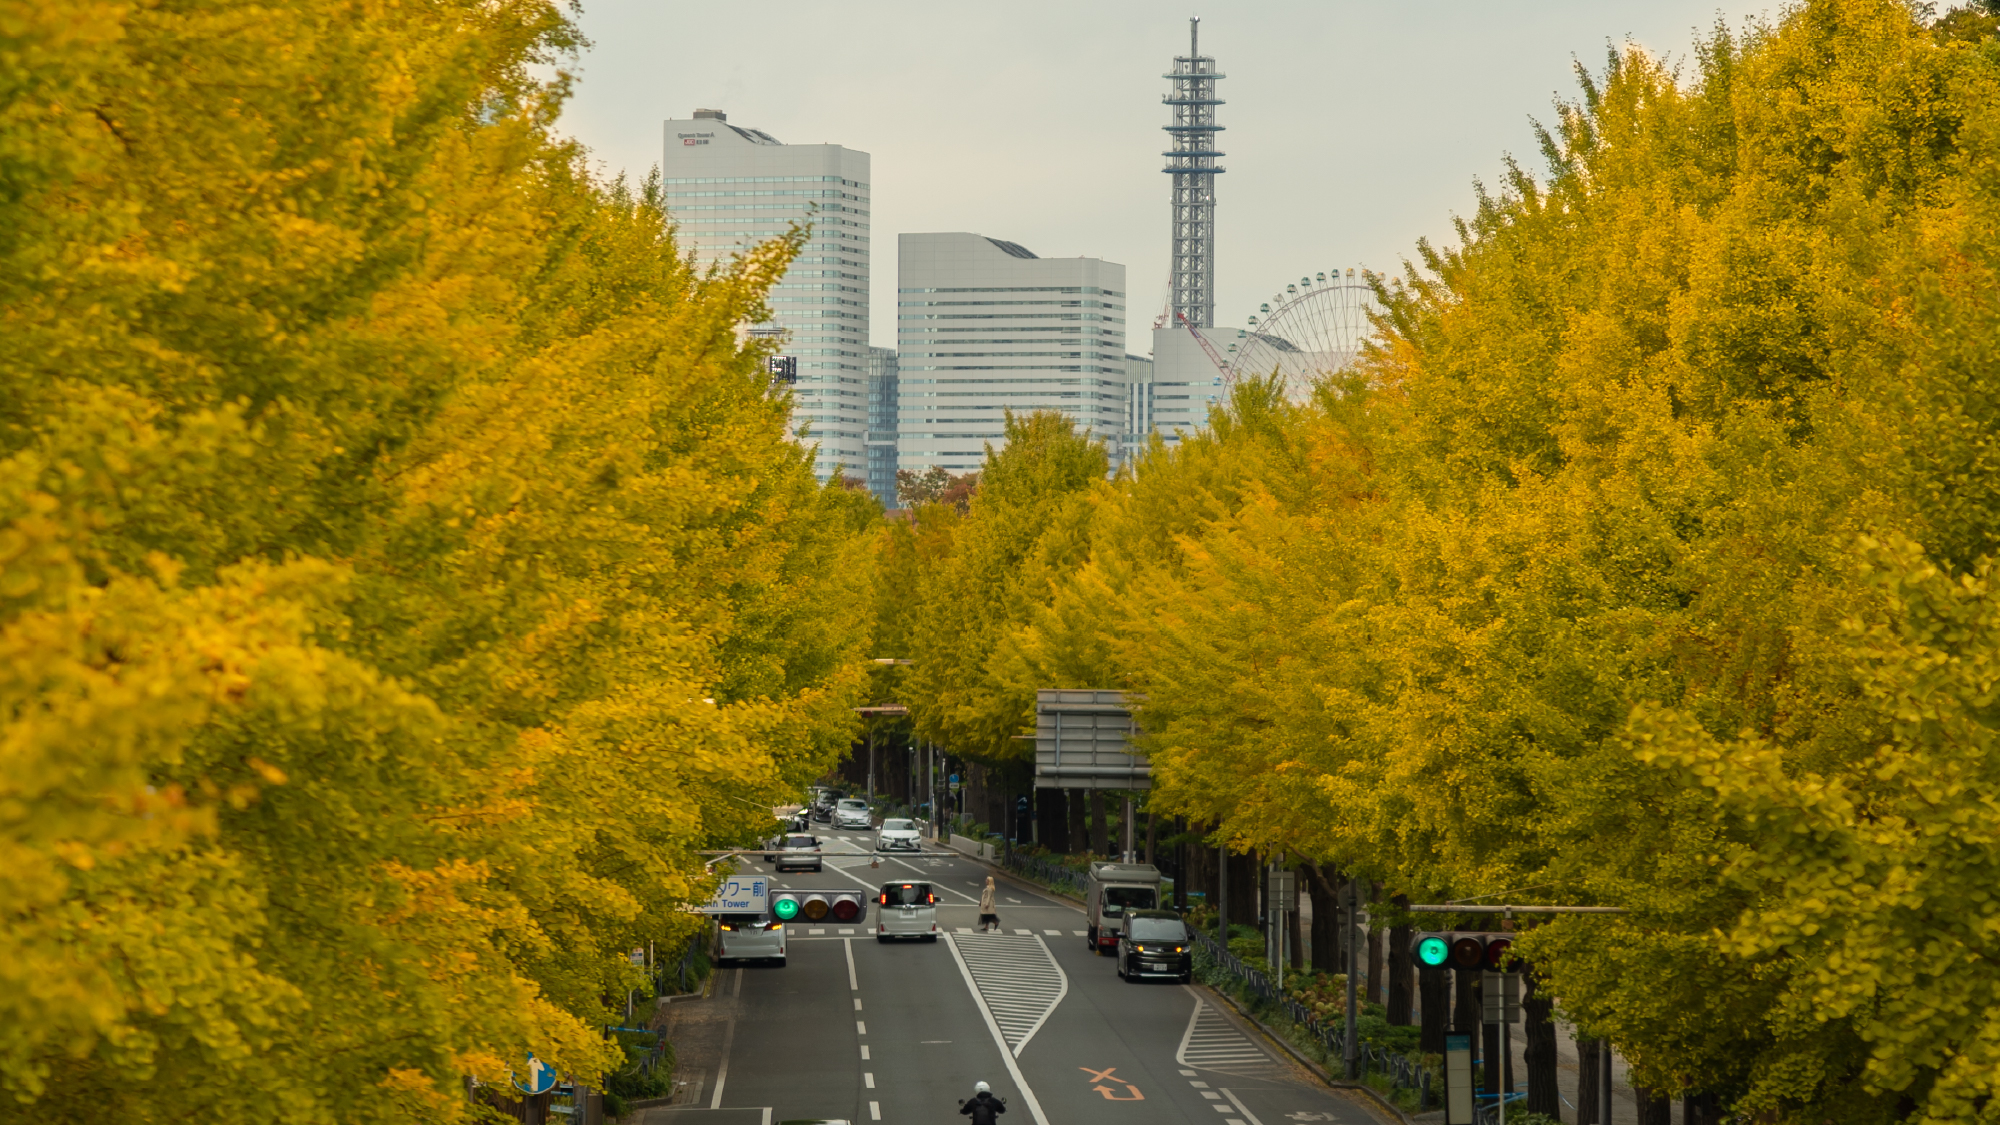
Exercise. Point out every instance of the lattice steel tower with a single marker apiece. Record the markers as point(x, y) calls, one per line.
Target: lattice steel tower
point(1192, 164)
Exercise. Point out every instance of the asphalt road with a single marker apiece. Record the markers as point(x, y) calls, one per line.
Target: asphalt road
point(897, 1033)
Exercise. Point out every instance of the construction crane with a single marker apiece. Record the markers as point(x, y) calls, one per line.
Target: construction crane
point(1214, 356)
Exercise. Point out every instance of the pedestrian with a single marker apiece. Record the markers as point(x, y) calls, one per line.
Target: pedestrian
point(986, 915)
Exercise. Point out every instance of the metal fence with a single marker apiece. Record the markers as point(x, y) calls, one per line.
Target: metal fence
point(1401, 1072)
point(1050, 873)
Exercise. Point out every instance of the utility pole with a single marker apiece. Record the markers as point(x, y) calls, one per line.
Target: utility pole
point(1351, 1048)
point(1128, 827)
point(871, 767)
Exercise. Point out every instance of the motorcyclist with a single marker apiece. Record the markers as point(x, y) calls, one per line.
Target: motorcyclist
point(982, 1106)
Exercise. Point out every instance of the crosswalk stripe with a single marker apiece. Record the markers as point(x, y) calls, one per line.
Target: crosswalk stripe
point(1212, 1041)
point(1018, 981)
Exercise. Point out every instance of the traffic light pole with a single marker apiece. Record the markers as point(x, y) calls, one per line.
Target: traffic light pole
point(1350, 1048)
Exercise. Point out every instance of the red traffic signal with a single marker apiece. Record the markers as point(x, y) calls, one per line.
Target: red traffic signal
point(1498, 952)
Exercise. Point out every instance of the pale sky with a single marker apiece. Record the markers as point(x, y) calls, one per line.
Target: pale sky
point(1352, 129)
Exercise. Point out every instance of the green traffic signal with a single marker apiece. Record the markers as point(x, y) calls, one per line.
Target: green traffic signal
point(786, 909)
point(1433, 951)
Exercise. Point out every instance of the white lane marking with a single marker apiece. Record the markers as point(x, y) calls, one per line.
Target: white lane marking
point(1211, 1095)
point(1018, 980)
point(857, 1001)
point(1080, 933)
point(864, 1052)
point(1025, 933)
point(999, 1040)
point(1196, 1085)
point(815, 932)
point(851, 986)
point(939, 885)
point(1212, 1041)
point(874, 1110)
point(963, 929)
point(1015, 901)
point(860, 1027)
point(869, 1078)
point(1244, 1108)
point(722, 1072)
point(1053, 933)
point(767, 1115)
point(1225, 1121)
point(1220, 1108)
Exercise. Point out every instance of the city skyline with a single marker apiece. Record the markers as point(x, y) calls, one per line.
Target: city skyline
point(1353, 131)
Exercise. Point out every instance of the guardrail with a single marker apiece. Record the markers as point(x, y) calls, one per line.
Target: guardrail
point(1399, 1070)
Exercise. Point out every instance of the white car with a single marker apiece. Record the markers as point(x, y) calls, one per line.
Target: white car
point(898, 836)
point(852, 812)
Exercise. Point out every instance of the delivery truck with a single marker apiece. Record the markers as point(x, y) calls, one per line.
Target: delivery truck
point(1115, 889)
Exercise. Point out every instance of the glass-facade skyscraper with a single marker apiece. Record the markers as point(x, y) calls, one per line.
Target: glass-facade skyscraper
point(882, 415)
point(728, 188)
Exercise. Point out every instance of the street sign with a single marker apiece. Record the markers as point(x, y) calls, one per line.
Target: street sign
point(748, 894)
point(1500, 997)
point(1458, 1080)
point(1284, 889)
point(541, 1077)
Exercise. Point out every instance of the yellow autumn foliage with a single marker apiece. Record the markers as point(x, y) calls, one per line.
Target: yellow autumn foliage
point(404, 572)
point(1646, 560)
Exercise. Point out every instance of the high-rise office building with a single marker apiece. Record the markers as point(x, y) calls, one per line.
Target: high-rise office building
point(984, 326)
point(729, 188)
point(882, 413)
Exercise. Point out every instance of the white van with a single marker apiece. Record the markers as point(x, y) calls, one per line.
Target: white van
point(906, 910)
point(748, 937)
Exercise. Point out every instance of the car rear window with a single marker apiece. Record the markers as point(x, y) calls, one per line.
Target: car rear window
point(906, 894)
point(802, 841)
point(1158, 929)
point(899, 826)
point(1117, 900)
point(853, 804)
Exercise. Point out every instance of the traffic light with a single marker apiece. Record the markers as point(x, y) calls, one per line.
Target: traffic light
point(818, 906)
point(1467, 952)
point(1431, 951)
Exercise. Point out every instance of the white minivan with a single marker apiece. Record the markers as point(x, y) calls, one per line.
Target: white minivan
point(906, 910)
point(749, 937)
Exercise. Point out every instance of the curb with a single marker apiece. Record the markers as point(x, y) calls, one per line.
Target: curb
point(1312, 1067)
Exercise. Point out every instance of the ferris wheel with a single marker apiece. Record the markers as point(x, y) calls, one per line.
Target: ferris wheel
point(1313, 329)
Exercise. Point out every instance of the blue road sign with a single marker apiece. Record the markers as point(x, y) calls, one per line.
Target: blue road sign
point(541, 1077)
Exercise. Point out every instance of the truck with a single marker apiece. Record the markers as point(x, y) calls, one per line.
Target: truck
point(1114, 889)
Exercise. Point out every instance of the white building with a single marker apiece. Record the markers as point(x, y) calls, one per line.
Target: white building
point(1184, 383)
point(984, 326)
point(729, 188)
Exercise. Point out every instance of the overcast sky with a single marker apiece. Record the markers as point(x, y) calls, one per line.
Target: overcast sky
point(1352, 129)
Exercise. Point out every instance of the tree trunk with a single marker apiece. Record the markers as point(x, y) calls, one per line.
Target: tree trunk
point(1100, 840)
point(1465, 1002)
point(1435, 1009)
point(1537, 1007)
point(1079, 825)
point(1326, 920)
point(1587, 1081)
point(1050, 832)
point(1399, 969)
point(1654, 1108)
